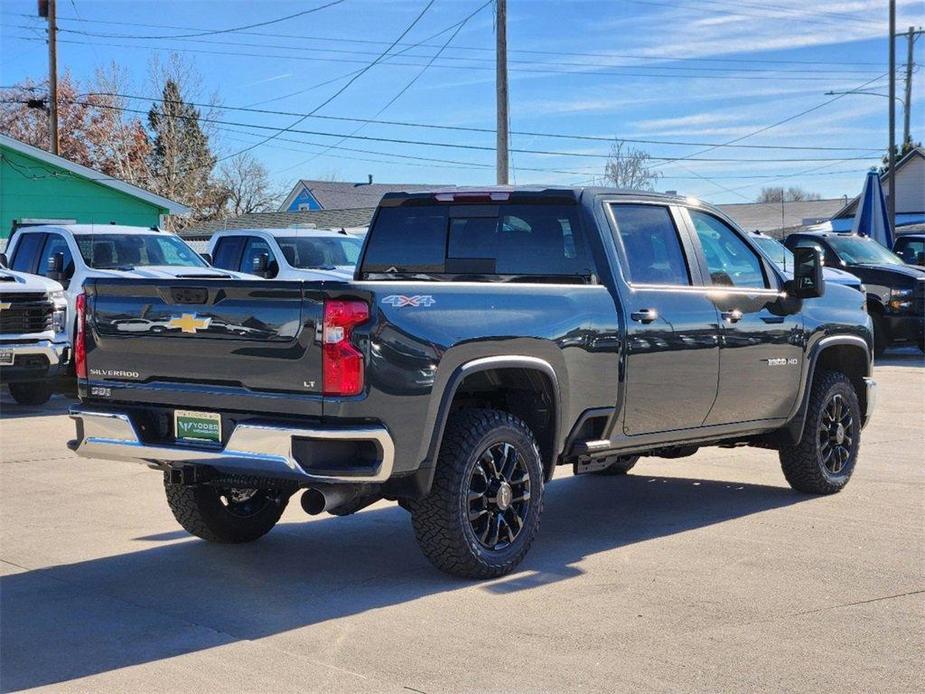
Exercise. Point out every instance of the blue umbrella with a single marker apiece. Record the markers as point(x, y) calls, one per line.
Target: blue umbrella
point(871, 218)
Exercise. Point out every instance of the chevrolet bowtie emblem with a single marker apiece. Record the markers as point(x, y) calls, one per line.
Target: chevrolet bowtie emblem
point(4, 305)
point(189, 323)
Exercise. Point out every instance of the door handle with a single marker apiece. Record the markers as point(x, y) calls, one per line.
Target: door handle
point(644, 315)
point(733, 316)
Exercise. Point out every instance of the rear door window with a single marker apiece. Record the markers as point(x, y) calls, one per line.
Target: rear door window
point(23, 258)
point(653, 248)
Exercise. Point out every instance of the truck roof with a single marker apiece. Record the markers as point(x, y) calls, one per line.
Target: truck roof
point(93, 229)
point(298, 232)
point(526, 192)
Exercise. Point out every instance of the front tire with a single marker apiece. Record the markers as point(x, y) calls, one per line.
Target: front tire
point(824, 458)
point(225, 515)
point(484, 506)
point(33, 393)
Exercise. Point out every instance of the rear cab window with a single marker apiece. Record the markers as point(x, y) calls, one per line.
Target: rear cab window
point(506, 241)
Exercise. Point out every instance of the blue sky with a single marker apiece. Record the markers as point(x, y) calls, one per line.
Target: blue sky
point(699, 71)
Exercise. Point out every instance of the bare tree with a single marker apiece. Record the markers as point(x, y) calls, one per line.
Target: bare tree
point(630, 168)
point(246, 185)
point(792, 194)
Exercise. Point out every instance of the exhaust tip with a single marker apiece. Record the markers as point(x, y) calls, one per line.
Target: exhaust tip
point(313, 502)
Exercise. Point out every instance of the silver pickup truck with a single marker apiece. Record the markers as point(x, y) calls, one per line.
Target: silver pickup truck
point(34, 349)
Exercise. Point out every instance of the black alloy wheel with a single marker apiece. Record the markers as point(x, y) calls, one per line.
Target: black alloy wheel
point(836, 434)
point(499, 496)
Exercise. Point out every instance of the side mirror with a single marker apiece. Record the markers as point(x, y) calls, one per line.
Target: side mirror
point(55, 267)
point(259, 264)
point(4, 262)
point(207, 257)
point(808, 281)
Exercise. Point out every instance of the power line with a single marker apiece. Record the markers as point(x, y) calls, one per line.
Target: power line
point(491, 131)
point(452, 145)
point(342, 89)
point(610, 71)
point(633, 56)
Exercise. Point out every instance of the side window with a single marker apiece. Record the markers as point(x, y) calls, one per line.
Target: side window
point(23, 259)
point(228, 252)
point(652, 245)
point(255, 247)
point(55, 243)
point(730, 260)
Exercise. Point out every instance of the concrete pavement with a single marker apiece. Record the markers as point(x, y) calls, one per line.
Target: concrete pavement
point(706, 573)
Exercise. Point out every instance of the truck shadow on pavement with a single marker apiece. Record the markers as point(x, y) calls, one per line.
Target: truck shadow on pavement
point(58, 405)
point(76, 620)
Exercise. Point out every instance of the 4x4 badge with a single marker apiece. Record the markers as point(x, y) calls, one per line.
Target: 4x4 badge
point(400, 300)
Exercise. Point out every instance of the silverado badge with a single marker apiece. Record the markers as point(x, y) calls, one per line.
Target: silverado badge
point(189, 323)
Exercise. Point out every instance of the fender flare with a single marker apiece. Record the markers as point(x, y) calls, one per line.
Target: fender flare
point(797, 420)
point(461, 372)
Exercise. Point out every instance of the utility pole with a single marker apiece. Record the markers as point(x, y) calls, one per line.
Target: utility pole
point(501, 87)
point(48, 9)
point(907, 101)
point(891, 202)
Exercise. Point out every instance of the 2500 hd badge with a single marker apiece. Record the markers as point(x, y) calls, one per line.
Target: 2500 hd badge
point(488, 337)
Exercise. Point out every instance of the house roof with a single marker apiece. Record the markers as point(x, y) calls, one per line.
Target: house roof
point(343, 195)
point(851, 208)
point(171, 206)
point(319, 219)
point(767, 216)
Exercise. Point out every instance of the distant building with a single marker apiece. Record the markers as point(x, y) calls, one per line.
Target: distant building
point(779, 218)
point(37, 186)
point(308, 195)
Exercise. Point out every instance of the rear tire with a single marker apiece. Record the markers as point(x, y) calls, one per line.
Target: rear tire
point(824, 458)
point(484, 506)
point(33, 393)
point(225, 515)
point(620, 466)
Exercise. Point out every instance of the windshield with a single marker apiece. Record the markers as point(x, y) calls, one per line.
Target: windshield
point(115, 251)
point(779, 254)
point(859, 250)
point(320, 251)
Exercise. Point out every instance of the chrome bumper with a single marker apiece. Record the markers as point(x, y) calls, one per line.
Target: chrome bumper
point(55, 352)
point(871, 398)
point(261, 450)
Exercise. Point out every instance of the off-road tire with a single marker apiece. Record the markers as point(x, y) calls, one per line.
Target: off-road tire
point(199, 509)
point(32, 393)
point(881, 335)
point(803, 464)
point(620, 466)
point(441, 519)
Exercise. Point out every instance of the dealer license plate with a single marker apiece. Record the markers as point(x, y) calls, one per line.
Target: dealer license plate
point(200, 427)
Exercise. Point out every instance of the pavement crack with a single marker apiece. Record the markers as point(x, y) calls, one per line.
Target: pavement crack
point(857, 602)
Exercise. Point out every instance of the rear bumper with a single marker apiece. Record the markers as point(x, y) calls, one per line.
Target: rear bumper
point(265, 450)
point(34, 361)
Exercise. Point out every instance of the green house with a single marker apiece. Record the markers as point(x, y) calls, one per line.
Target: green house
point(37, 187)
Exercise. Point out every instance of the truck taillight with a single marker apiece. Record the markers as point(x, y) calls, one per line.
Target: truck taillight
point(80, 344)
point(342, 363)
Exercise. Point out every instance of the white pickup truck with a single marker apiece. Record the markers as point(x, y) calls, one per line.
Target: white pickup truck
point(73, 253)
point(287, 254)
point(34, 349)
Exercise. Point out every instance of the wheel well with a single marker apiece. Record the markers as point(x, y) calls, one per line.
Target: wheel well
point(526, 393)
point(849, 360)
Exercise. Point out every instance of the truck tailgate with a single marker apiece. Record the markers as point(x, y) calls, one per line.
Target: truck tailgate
point(148, 340)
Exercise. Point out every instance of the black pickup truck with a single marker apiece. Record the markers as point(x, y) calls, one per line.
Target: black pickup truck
point(487, 337)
